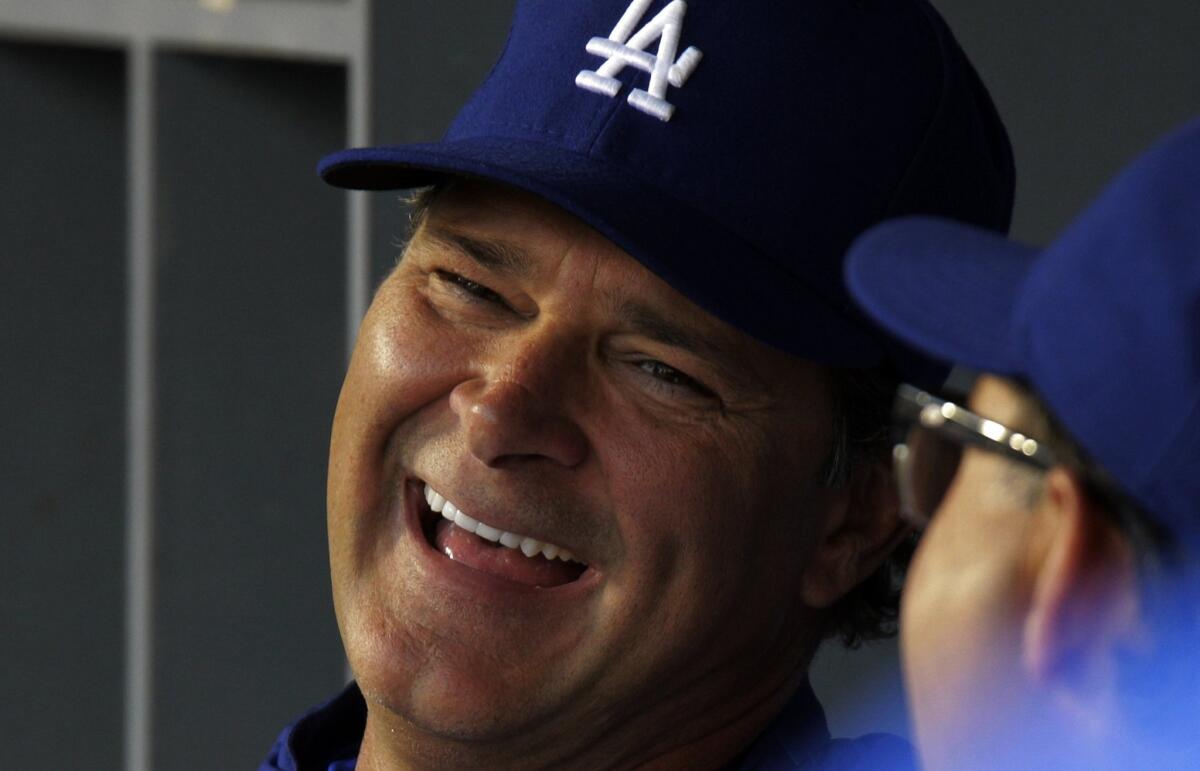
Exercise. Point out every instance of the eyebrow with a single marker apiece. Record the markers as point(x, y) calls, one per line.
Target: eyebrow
point(648, 321)
point(641, 318)
point(498, 256)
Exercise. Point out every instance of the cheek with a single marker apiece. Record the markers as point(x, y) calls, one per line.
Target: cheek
point(942, 582)
point(669, 502)
point(702, 508)
point(959, 638)
point(918, 607)
point(710, 575)
point(960, 624)
point(402, 361)
point(940, 639)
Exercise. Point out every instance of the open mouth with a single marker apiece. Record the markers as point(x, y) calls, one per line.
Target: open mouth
point(479, 545)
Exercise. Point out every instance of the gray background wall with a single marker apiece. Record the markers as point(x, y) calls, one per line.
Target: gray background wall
point(177, 293)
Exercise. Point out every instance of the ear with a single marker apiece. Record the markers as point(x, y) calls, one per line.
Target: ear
point(1083, 606)
point(862, 528)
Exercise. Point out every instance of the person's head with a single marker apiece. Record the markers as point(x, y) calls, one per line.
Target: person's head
point(612, 338)
point(1042, 610)
point(547, 385)
point(1052, 605)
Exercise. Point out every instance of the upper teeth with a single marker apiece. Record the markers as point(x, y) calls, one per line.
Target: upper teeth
point(530, 547)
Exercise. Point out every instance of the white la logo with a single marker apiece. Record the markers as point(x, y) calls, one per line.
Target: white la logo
point(620, 50)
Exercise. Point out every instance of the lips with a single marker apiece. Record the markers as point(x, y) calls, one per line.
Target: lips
point(484, 547)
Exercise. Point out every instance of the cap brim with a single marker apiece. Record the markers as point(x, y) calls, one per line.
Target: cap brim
point(946, 288)
point(718, 269)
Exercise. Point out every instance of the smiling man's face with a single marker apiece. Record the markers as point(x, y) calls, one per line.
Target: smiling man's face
point(519, 369)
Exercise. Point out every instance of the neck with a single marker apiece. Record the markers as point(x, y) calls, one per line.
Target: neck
point(651, 741)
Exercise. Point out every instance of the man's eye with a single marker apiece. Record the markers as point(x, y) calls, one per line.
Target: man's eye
point(671, 378)
point(466, 286)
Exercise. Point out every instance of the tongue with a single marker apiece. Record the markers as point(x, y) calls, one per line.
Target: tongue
point(486, 557)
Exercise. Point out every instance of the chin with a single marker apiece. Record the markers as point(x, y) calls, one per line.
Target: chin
point(454, 692)
point(458, 708)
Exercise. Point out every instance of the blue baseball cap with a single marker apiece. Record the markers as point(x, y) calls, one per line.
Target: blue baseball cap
point(1104, 323)
point(733, 148)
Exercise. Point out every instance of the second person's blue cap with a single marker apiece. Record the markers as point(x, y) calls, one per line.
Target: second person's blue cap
point(1104, 323)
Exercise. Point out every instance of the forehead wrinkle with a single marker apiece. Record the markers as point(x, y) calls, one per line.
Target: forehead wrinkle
point(494, 254)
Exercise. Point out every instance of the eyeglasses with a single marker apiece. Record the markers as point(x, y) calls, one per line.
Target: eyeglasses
point(934, 432)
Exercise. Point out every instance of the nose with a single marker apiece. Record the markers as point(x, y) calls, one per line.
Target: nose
point(508, 419)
